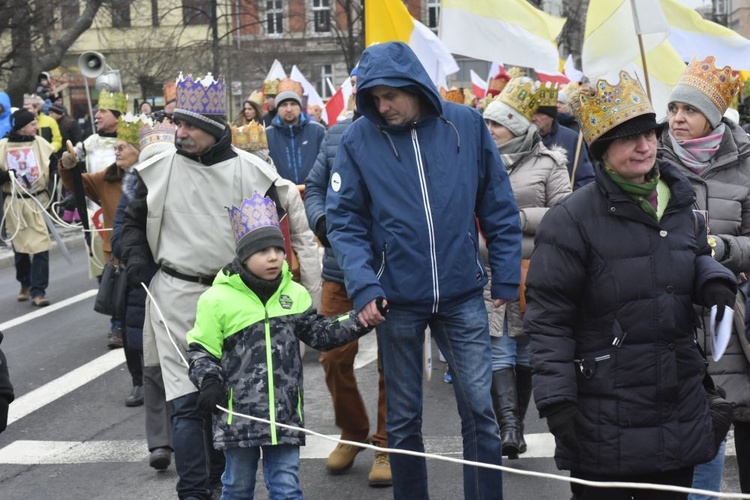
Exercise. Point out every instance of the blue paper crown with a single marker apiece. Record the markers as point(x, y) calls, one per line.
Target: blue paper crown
point(201, 96)
point(254, 213)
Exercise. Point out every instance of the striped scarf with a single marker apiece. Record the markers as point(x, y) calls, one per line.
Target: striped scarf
point(696, 154)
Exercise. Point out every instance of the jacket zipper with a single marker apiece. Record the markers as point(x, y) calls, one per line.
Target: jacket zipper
point(382, 263)
point(428, 216)
point(271, 395)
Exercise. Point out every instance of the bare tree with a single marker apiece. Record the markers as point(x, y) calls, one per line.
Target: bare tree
point(571, 37)
point(35, 45)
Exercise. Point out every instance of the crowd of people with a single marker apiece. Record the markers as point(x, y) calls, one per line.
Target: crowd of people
point(578, 256)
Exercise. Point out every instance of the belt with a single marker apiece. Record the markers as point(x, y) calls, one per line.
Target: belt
point(30, 195)
point(203, 280)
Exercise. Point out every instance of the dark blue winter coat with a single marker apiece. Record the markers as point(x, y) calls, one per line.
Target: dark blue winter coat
point(568, 139)
point(135, 299)
point(609, 309)
point(316, 186)
point(294, 148)
point(402, 200)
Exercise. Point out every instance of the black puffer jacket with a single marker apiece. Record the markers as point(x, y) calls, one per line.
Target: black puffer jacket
point(602, 270)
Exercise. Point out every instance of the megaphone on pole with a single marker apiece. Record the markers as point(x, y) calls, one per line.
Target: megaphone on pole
point(91, 64)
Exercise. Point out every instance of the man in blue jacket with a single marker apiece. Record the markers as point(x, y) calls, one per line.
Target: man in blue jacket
point(293, 139)
point(409, 183)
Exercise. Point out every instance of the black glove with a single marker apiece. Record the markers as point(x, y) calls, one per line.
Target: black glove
point(320, 232)
point(136, 273)
point(212, 394)
point(565, 421)
point(718, 293)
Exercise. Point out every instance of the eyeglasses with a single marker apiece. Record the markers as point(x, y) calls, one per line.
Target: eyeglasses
point(120, 148)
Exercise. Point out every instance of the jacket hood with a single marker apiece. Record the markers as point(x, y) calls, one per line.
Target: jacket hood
point(393, 64)
point(5, 115)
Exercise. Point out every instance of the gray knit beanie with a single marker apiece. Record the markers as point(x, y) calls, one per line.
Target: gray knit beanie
point(691, 96)
point(507, 117)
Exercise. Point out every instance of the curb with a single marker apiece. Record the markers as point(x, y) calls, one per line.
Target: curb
point(73, 240)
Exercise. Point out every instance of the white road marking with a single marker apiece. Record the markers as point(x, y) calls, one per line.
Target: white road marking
point(36, 399)
point(27, 452)
point(46, 310)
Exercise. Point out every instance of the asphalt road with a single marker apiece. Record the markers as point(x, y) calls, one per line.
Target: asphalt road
point(72, 437)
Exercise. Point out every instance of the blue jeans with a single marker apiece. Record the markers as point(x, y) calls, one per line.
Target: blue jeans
point(508, 352)
point(280, 472)
point(461, 332)
point(192, 438)
point(33, 272)
point(707, 476)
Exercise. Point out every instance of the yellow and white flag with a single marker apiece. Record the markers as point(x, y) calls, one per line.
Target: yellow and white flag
point(507, 31)
point(390, 21)
point(692, 36)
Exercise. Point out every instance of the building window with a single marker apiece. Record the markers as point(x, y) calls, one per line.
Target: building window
point(322, 16)
point(194, 12)
point(326, 73)
point(69, 12)
point(433, 13)
point(274, 17)
point(154, 13)
point(121, 13)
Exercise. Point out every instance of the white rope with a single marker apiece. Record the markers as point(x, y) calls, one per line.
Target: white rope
point(544, 475)
point(166, 326)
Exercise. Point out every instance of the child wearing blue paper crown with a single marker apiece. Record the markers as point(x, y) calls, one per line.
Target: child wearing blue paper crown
point(244, 353)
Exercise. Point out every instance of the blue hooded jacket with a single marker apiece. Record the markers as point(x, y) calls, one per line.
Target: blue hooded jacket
point(403, 201)
point(5, 124)
point(294, 148)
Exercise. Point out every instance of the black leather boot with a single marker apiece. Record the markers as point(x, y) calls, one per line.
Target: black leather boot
point(523, 389)
point(505, 403)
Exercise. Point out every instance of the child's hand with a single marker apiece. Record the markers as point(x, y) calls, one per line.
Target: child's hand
point(212, 394)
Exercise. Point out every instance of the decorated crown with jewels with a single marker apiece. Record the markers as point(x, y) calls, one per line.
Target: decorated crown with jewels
point(289, 84)
point(113, 101)
point(202, 96)
point(717, 84)
point(127, 127)
point(254, 213)
point(547, 93)
point(610, 106)
point(453, 95)
point(170, 91)
point(250, 137)
point(520, 95)
point(150, 133)
point(271, 87)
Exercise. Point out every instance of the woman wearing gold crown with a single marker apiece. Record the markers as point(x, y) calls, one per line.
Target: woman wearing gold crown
point(615, 271)
point(539, 177)
point(714, 154)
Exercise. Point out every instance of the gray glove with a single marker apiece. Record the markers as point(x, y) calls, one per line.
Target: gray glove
point(68, 161)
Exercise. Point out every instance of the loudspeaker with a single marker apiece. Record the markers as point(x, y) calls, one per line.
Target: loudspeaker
point(91, 64)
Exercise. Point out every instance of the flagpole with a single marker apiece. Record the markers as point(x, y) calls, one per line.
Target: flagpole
point(640, 47)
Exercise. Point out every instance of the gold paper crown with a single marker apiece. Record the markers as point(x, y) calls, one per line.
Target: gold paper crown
point(250, 137)
point(170, 91)
point(289, 84)
point(547, 92)
point(256, 97)
point(520, 95)
point(116, 101)
point(452, 95)
point(717, 84)
point(127, 127)
point(611, 106)
point(271, 87)
point(150, 133)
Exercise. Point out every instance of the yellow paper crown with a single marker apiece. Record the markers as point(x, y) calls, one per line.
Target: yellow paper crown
point(520, 95)
point(127, 128)
point(717, 84)
point(610, 106)
point(547, 92)
point(452, 95)
point(271, 87)
point(250, 137)
point(116, 101)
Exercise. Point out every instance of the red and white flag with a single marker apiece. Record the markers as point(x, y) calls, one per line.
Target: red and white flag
point(478, 86)
point(337, 103)
point(555, 77)
point(497, 70)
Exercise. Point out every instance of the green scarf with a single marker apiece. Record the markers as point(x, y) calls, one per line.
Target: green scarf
point(639, 193)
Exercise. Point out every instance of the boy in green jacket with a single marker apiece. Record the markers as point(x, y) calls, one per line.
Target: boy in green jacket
point(244, 354)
